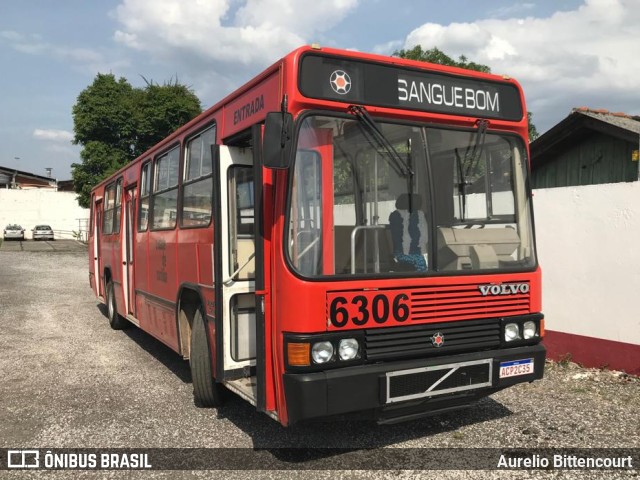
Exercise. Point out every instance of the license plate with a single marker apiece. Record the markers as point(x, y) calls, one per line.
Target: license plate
point(515, 368)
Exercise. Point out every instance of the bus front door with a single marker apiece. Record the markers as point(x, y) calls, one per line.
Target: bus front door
point(235, 272)
point(128, 249)
point(97, 254)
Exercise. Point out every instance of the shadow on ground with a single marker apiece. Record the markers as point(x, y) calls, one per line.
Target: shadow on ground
point(322, 439)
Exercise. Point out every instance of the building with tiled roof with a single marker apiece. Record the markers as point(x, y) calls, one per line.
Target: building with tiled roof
point(587, 147)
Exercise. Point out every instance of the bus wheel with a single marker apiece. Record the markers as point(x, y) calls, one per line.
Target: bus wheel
point(206, 392)
point(115, 320)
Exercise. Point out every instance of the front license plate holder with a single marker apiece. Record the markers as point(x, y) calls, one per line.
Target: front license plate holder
point(516, 368)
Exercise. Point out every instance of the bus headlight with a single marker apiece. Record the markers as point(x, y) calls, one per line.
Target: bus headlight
point(529, 330)
point(348, 349)
point(322, 352)
point(511, 332)
point(317, 352)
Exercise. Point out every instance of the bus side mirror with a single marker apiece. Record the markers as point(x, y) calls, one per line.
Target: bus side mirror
point(278, 133)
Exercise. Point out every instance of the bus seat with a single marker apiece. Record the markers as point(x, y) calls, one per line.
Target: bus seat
point(342, 250)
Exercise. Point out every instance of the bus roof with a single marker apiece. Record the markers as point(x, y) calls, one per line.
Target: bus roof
point(421, 80)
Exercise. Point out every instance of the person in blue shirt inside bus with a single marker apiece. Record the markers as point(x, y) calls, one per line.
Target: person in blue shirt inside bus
point(409, 233)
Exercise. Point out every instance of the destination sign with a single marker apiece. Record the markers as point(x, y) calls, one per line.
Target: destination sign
point(367, 83)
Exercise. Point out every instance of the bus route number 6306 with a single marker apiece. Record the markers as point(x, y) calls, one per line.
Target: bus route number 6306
point(359, 309)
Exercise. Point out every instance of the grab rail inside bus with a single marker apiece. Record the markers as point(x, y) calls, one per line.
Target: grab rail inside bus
point(308, 247)
point(376, 261)
point(231, 278)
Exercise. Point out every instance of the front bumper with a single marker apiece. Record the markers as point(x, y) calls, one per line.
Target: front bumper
point(366, 387)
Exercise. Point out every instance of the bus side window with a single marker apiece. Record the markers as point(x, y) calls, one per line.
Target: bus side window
point(91, 214)
point(165, 190)
point(197, 190)
point(305, 226)
point(109, 206)
point(117, 208)
point(143, 212)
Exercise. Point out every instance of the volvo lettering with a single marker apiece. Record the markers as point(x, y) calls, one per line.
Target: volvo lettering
point(504, 289)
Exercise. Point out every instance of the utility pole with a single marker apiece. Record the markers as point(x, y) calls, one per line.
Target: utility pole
point(15, 174)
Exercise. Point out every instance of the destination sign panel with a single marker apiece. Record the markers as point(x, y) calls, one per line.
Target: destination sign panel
point(367, 83)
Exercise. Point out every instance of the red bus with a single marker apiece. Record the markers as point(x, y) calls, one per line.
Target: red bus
point(345, 233)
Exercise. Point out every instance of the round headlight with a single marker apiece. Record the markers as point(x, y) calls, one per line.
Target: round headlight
point(511, 332)
point(529, 330)
point(322, 352)
point(348, 349)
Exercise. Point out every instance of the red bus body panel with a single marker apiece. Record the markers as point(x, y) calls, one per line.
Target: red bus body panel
point(167, 260)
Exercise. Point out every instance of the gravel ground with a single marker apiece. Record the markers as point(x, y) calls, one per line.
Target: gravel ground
point(68, 380)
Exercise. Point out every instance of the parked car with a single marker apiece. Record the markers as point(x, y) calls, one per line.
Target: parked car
point(13, 232)
point(42, 232)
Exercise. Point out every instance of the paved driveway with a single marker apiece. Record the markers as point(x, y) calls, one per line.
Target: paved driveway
point(68, 380)
point(42, 246)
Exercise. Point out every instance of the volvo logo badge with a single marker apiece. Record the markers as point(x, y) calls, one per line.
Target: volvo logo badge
point(340, 82)
point(437, 340)
point(503, 289)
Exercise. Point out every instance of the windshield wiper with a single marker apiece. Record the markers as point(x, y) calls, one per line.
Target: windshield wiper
point(473, 158)
point(376, 137)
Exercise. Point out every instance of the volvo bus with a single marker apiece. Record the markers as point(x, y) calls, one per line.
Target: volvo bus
point(346, 233)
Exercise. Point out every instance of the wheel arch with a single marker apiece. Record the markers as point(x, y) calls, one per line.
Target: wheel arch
point(189, 299)
point(106, 276)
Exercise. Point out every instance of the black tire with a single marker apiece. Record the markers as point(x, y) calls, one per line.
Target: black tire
point(206, 392)
point(115, 320)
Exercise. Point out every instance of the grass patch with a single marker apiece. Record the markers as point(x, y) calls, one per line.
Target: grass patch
point(565, 360)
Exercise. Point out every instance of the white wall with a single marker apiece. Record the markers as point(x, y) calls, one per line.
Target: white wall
point(476, 207)
point(589, 249)
point(29, 208)
point(588, 241)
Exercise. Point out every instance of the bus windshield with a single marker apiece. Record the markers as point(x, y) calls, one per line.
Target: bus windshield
point(458, 203)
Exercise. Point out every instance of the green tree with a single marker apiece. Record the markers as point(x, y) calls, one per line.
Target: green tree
point(435, 55)
point(533, 131)
point(163, 109)
point(115, 122)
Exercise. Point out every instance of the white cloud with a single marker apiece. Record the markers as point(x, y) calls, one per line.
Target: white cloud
point(512, 9)
point(52, 135)
point(80, 58)
point(388, 48)
point(258, 32)
point(300, 18)
point(11, 35)
point(565, 60)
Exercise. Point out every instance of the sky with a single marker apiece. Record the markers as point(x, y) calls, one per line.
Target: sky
point(565, 53)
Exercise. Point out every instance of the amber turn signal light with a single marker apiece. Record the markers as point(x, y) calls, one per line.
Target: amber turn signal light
point(298, 354)
point(541, 328)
